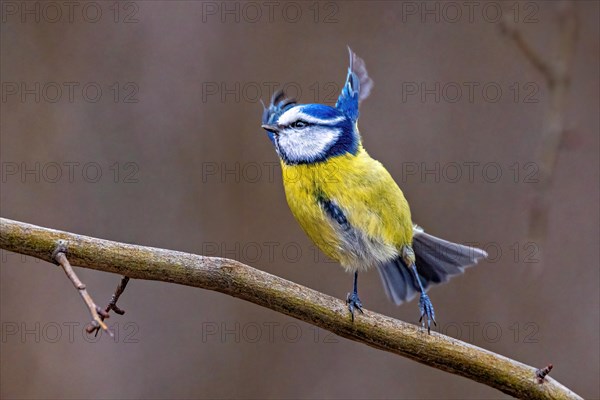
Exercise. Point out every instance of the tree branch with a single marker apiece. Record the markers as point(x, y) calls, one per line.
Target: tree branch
point(556, 72)
point(247, 283)
point(509, 28)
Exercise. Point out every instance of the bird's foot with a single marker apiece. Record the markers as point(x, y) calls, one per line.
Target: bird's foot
point(426, 311)
point(354, 302)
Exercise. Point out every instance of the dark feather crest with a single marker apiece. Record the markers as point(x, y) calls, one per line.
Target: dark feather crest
point(279, 104)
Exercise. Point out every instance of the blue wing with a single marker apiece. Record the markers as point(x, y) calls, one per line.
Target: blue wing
point(357, 87)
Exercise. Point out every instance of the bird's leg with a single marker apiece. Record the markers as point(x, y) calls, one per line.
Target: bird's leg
point(352, 300)
point(425, 305)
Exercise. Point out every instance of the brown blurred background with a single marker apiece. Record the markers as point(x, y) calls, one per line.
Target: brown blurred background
point(169, 153)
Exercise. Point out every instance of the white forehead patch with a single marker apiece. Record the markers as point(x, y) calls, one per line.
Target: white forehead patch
point(295, 114)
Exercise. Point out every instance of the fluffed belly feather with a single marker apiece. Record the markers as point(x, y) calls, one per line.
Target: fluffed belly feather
point(331, 203)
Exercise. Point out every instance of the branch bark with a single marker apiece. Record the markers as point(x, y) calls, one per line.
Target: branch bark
point(247, 283)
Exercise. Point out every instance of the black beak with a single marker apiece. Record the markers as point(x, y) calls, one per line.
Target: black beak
point(271, 128)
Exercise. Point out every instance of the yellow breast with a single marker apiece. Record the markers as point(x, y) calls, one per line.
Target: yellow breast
point(372, 203)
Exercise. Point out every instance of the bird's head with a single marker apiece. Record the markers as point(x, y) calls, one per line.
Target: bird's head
point(310, 133)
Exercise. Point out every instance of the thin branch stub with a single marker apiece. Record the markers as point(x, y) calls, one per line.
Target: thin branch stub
point(112, 305)
point(543, 372)
point(98, 315)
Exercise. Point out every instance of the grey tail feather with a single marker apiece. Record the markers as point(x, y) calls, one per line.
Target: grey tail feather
point(437, 260)
point(397, 280)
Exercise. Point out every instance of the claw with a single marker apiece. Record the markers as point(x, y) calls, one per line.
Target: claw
point(426, 308)
point(354, 302)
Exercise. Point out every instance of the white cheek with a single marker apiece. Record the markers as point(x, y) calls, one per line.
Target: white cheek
point(307, 144)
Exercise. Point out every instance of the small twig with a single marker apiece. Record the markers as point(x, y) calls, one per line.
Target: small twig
point(112, 305)
point(509, 28)
point(98, 315)
point(542, 372)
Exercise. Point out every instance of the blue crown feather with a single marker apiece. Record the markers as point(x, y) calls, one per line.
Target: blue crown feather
point(357, 88)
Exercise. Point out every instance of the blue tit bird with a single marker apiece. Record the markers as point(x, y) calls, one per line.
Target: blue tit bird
point(348, 203)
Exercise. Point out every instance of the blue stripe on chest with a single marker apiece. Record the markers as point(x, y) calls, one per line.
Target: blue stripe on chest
point(357, 250)
point(333, 211)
